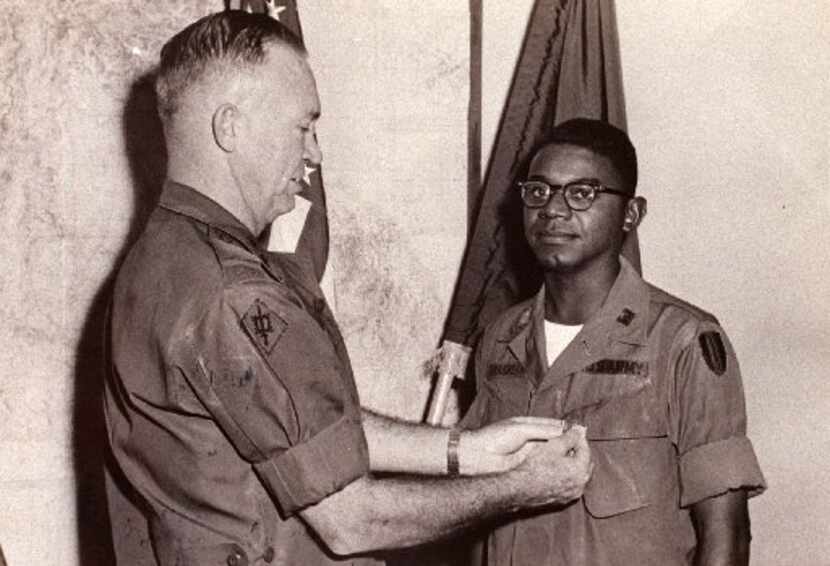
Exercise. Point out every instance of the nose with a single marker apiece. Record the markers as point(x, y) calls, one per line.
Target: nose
point(557, 206)
point(312, 153)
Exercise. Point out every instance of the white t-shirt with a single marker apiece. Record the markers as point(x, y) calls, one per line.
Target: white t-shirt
point(557, 338)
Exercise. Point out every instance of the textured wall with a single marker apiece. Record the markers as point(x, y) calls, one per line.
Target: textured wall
point(393, 83)
point(80, 161)
point(75, 137)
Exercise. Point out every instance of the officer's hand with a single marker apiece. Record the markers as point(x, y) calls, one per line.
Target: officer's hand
point(556, 471)
point(503, 445)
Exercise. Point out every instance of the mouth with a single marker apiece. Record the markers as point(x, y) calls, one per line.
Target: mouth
point(555, 237)
point(291, 188)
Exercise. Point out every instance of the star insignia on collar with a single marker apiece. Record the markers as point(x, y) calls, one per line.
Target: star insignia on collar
point(273, 10)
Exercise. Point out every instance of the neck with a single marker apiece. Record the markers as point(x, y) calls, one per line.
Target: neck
point(210, 177)
point(573, 297)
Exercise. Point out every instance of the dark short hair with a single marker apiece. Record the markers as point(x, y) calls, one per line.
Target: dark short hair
point(603, 139)
point(233, 37)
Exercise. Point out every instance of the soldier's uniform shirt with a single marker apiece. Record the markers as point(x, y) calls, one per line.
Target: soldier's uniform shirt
point(657, 384)
point(232, 403)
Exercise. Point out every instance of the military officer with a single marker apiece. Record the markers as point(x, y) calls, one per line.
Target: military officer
point(232, 410)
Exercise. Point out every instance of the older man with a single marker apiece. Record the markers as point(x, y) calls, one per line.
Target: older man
point(232, 409)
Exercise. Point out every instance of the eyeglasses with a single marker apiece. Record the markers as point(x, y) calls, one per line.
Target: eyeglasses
point(579, 195)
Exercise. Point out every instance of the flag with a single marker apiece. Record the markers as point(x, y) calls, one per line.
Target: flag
point(313, 243)
point(569, 67)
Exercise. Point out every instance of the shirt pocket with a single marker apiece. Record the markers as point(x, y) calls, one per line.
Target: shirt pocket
point(628, 437)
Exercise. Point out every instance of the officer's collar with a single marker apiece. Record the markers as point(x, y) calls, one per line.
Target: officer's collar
point(187, 201)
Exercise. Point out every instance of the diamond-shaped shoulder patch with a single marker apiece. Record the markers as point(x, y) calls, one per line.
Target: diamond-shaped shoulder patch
point(263, 325)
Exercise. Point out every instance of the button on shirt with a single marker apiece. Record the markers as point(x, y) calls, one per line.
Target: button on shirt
point(657, 384)
point(232, 403)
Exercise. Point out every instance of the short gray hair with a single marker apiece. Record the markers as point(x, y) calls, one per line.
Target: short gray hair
point(233, 38)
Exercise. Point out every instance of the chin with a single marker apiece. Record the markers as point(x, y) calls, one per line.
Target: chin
point(556, 264)
point(559, 261)
point(285, 205)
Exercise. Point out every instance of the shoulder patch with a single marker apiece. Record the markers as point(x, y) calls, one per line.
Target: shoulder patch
point(714, 352)
point(263, 325)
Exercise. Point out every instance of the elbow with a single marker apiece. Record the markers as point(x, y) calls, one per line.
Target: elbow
point(347, 538)
point(345, 527)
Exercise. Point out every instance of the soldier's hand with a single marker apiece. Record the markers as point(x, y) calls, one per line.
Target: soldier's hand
point(504, 445)
point(556, 472)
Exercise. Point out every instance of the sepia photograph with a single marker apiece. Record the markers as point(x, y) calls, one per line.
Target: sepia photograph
point(436, 283)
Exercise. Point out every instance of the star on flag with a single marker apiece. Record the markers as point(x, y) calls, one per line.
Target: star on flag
point(273, 10)
point(307, 173)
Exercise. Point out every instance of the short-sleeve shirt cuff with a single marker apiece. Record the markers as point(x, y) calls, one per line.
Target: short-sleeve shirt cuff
point(715, 468)
point(309, 472)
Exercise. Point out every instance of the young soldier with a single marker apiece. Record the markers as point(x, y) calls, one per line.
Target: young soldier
point(654, 379)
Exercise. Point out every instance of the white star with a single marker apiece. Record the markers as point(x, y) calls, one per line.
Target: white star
point(273, 10)
point(307, 173)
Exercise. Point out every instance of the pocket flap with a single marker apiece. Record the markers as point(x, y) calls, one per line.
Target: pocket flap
point(616, 485)
point(615, 407)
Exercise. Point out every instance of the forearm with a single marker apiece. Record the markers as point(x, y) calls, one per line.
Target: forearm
point(732, 550)
point(398, 446)
point(723, 531)
point(393, 513)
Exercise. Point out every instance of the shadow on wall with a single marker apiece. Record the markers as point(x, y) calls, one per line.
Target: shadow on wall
point(147, 157)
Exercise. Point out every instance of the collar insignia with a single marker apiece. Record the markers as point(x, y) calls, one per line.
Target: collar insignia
point(626, 316)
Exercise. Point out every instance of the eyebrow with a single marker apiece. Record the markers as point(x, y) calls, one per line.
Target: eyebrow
point(578, 180)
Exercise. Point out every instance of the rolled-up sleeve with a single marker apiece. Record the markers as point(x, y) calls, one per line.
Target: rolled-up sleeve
point(271, 378)
point(308, 472)
point(714, 468)
point(709, 419)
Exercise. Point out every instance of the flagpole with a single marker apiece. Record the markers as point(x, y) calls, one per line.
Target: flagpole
point(451, 358)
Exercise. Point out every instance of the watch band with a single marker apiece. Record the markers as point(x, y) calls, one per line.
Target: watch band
point(452, 452)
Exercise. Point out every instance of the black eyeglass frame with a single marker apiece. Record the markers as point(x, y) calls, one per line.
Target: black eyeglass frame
point(595, 186)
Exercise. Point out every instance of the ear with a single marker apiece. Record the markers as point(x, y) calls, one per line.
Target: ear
point(635, 211)
point(226, 126)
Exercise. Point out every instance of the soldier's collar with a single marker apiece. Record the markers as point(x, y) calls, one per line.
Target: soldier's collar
point(514, 330)
point(624, 314)
point(622, 317)
point(187, 201)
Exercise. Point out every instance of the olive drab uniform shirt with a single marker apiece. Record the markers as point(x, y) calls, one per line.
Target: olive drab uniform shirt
point(232, 404)
point(656, 382)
